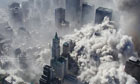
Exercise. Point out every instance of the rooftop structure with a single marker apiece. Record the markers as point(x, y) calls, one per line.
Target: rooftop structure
point(132, 67)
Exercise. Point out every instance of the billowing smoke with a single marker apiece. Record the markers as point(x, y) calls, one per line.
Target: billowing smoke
point(29, 28)
point(101, 52)
point(130, 19)
point(102, 45)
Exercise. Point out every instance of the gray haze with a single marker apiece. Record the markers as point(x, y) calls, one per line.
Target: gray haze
point(130, 20)
point(40, 30)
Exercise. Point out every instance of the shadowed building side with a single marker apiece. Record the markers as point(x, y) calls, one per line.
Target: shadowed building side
point(73, 11)
point(132, 67)
point(56, 47)
point(101, 13)
point(60, 21)
point(87, 14)
point(63, 68)
point(16, 12)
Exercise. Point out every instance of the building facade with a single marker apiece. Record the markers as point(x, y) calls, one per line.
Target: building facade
point(101, 13)
point(87, 14)
point(132, 67)
point(62, 67)
point(56, 47)
point(60, 18)
point(73, 11)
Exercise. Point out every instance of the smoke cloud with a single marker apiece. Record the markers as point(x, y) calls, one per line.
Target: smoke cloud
point(110, 46)
point(130, 19)
point(105, 52)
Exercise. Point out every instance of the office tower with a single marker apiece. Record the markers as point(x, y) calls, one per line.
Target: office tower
point(63, 68)
point(101, 13)
point(25, 8)
point(87, 14)
point(47, 75)
point(73, 11)
point(66, 49)
point(56, 47)
point(16, 12)
point(60, 18)
point(132, 67)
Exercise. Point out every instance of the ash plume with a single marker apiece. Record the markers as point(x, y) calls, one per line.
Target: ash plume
point(103, 57)
point(130, 19)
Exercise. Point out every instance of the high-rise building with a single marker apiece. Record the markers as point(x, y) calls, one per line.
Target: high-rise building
point(87, 14)
point(56, 47)
point(66, 48)
point(16, 13)
point(132, 67)
point(60, 18)
point(47, 75)
point(63, 69)
point(25, 8)
point(73, 11)
point(101, 13)
point(58, 62)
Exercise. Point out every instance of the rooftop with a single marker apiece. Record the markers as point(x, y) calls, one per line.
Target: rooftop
point(104, 9)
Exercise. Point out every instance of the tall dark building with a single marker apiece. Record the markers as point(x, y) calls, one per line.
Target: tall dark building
point(16, 13)
point(132, 67)
point(101, 13)
point(72, 10)
point(56, 47)
point(63, 69)
point(66, 49)
point(47, 75)
point(87, 14)
point(25, 8)
point(60, 18)
point(58, 62)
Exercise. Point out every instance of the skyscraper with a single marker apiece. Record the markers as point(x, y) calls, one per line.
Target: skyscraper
point(25, 8)
point(16, 12)
point(132, 67)
point(47, 75)
point(63, 68)
point(72, 10)
point(60, 18)
point(56, 47)
point(101, 13)
point(87, 14)
point(66, 49)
